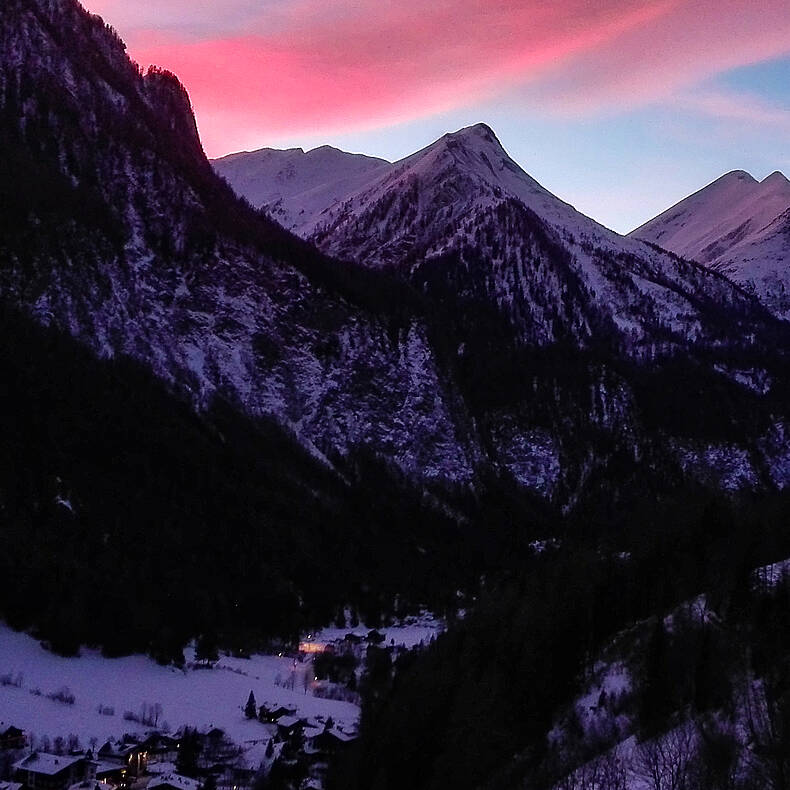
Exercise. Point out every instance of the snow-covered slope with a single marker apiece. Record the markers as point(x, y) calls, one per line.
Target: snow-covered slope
point(144, 251)
point(550, 270)
point(468, 168)
point(508, 266)
point(737, 225)
point(294, 186)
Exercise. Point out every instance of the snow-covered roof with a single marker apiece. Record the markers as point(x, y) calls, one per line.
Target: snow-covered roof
point(105, 766)
point(288, 721)
point(49, 764)
point(173, 780)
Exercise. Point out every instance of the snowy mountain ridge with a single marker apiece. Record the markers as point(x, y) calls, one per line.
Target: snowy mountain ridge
point(736, 225)
point(455, 192)
point(294, 186)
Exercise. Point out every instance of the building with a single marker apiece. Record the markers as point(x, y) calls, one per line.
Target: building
point(161, 748)
point(307, 647)
point(271, 714)
point(332, 740)
point(111, 773)
point(287, 726)
point(132, 756)
point(12, 738)
point(42, 771)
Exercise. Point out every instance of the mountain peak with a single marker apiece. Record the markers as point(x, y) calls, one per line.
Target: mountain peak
point(776, 178)
point(735, 179)
point(475, 130)
point(475, 136)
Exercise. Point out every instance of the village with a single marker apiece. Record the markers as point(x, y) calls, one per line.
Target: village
point(266, 743)
point(204, 759)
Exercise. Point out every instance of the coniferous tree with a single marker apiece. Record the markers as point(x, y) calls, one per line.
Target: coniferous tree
point(251, 708)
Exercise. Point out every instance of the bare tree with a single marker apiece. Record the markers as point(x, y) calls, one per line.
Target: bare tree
point(613, 772)
point(586, 777)
point(665, 763)
point(718, 756)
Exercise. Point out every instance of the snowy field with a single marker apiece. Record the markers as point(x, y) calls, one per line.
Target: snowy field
point(193, 697)
point(408, 633)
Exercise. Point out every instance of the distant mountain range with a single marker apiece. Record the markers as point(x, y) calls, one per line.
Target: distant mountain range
point(736, 225)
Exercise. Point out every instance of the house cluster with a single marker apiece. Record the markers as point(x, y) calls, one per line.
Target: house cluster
point(151, 762)
point(44, 771)
point(113, 765)
point(318, 735)
point(301, 747)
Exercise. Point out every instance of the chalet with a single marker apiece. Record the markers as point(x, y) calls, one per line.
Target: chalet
point(173, 782)
point(12, 738)
point(132, 756)
point(42, 771)
point(271, 715)
point(211, 733)
point(288, 726)
point(311, 746)
point(111, 773)
point(332, 740)
point(161, 748)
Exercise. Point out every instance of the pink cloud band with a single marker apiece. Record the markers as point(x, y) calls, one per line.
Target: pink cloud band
point(309, 65)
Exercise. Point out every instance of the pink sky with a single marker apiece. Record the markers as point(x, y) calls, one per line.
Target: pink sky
point(258, 71)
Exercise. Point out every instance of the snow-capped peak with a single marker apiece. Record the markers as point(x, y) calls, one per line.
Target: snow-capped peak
point(737, 225)
point(293, 185)
point(705, 225)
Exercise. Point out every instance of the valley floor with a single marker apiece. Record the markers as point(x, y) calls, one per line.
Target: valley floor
point(194, 697)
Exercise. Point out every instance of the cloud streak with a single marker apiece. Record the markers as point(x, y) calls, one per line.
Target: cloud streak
point(299, 66)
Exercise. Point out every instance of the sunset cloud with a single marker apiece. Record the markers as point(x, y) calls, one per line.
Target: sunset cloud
point(257, 71)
